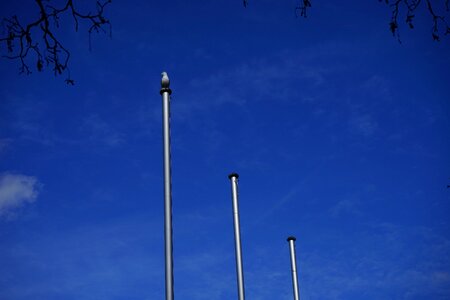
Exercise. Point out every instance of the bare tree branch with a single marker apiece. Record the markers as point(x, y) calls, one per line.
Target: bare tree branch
point(438, 19)
point(302, 8)
point(22, 40)
point(439, 23)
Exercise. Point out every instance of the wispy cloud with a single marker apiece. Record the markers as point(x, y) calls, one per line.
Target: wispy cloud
point(4, 143)
point(28, 119)
point(32, 120)
point(282, 77)
point(366, 102)
point(293, 192)
point(99, 131)
point(207, 267)
point(16, 191)
point(104, 261)
point(363, 124)
point(346, 207)
point(383, 258)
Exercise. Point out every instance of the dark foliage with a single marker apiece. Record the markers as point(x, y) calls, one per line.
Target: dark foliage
point(38, 39)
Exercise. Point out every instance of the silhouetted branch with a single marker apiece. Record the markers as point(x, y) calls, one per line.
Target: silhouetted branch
point(437, 19)
point(21, 39)
point(302, 8)
point(439, 24)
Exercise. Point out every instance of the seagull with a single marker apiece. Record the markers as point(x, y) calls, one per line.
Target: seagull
point(164, 80)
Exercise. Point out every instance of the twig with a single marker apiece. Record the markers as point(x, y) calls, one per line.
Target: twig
point(21, 39)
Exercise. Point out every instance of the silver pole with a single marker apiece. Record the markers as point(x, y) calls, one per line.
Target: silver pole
point(165, 93)
point(291, 241)
point(239, 268)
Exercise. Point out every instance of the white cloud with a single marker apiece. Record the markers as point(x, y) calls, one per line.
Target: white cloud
point(15, 191)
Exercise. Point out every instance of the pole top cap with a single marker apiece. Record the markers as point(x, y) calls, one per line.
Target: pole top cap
point(291, 238)
point(233, 175)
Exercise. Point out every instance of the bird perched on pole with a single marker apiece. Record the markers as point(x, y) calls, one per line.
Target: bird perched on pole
point(165, 82)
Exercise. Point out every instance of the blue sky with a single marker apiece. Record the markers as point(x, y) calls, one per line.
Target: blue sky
point(339, 133)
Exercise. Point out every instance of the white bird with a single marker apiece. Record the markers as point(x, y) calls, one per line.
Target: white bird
point(164, 80)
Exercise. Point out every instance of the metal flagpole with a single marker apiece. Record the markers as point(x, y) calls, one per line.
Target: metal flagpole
point(291, 240)
point(239, 268)
point(165, 93)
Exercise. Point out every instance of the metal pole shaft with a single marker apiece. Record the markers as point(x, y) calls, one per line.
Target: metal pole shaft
point(291, 241)
point(239, 268)
point(165, 93)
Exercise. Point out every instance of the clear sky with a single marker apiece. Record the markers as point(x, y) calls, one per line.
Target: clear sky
point(340, 134)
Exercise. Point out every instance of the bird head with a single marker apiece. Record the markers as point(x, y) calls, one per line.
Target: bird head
point(165, 82)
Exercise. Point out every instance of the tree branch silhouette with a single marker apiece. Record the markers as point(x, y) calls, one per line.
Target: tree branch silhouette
point(302, 8)
point(439, 23)
point(410, 7)
point(39, 37)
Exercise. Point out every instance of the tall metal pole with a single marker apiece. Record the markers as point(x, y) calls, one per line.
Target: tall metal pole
point(291, 241)
point(165, 93)
point(237, 236)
